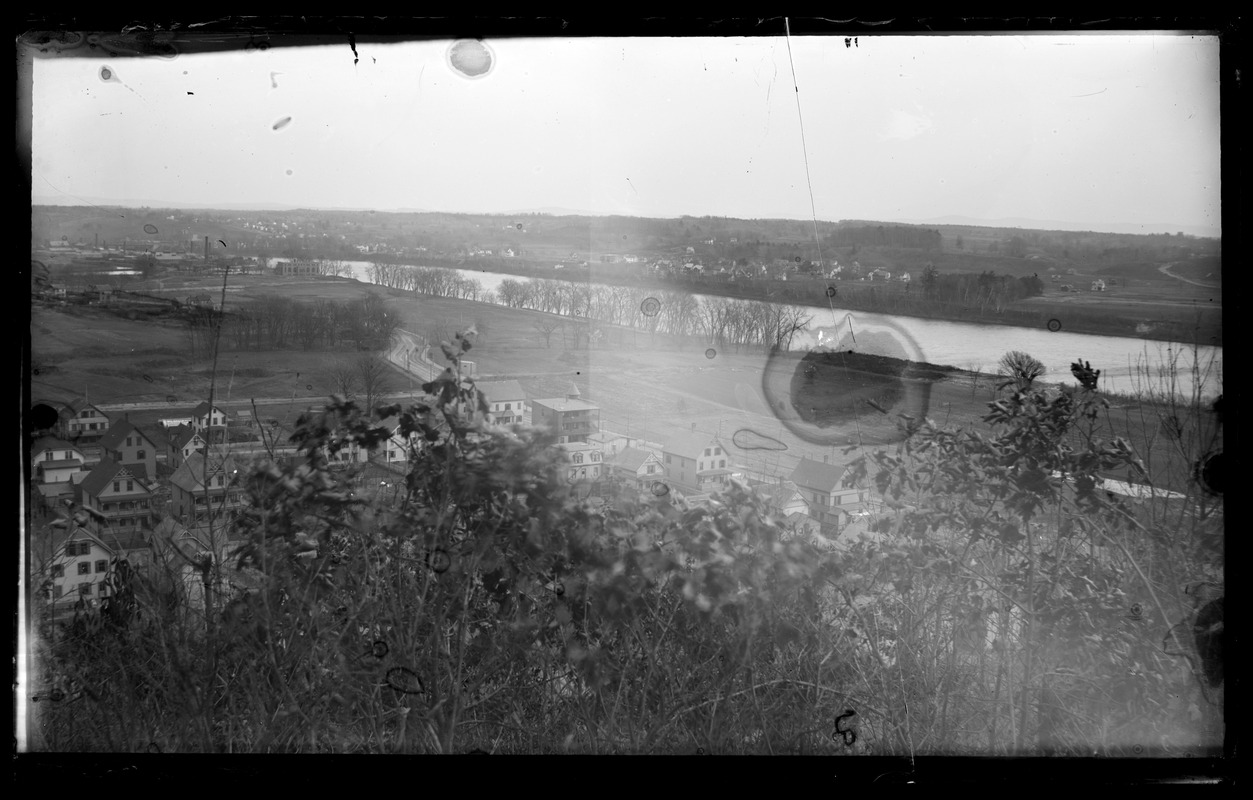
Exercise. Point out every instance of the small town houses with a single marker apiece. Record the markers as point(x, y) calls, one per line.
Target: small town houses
point(120, 495)
point(81, 422)
point(205, 484)
point(636, 468)
point(75, 564)
point(695, 462)
point(127, 444)
point(506, 400)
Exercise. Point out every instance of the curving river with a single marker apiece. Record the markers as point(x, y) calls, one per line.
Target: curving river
point(1127, 365)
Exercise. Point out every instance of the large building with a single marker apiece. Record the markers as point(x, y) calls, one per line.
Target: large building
point(298, 267)
point(127, 444)
point(191, 482)
point(822, 487)
point(120, 495)
point(572, 419)
point(82, 423)
point(696, 462)
point(505, 399)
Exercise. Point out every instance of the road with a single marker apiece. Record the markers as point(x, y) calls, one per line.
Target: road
point(1165, 270)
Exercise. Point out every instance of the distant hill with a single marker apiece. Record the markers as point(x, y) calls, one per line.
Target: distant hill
point(1060, 225)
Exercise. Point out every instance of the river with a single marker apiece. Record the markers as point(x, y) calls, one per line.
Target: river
point(1127, 365)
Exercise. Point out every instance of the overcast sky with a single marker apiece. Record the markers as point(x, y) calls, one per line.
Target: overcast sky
point(1097, 129)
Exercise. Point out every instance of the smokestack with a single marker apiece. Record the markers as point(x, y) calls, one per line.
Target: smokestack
point(206, 248)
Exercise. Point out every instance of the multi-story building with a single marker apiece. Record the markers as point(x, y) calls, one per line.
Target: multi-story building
point(696, 463)
point(585, 462)
point(209, 422)
point(121, 496)
point(572, 419)
point(196, 493)
point(82, 423)
point(77, 562)
point(55, 460)
point(637, 468)
point(506, 400)
point(822, 486)
point(127, 444)
point(181, 442)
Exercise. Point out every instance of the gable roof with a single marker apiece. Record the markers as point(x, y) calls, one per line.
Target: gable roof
point(181, 436)
point(203, 409)
point(118, 433)
point(52, 443)
point(632, 459)
point(72, 408)
point(190, 473)
point(108, 470)
point(780, 494)
point(813, 475)
point(691, 445)
point(501, 391)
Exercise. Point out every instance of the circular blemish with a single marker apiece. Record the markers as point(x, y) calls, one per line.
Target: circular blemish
point(660, 489)
point(288, 172)
point(798, 259)
point(1055, 325)
point(1137, 749)
point(471, 58)
point(65, 238)
point(150, 229)
point(309, 386)
point(148, 378)
point(169, 398)
point(43, 416)
point(378, 649)
point(710, 353)
point(280, 124)
point(518, 226)
point(107, 74)
point(852, 386)
point(650, 306)
point(439, 561)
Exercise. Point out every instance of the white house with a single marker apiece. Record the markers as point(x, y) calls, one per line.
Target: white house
point(639, 468)
point(506, 400)
point(54, 460)
point(585, 462)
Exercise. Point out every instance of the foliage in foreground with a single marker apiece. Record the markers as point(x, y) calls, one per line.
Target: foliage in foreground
point(480, 604)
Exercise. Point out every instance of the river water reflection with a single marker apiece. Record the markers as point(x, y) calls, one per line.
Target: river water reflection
point(1127, 365)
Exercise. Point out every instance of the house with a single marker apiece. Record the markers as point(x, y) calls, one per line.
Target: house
point(505, 399)
point(127, 444)
point(181, 442)
point(696, 462)
point(878, 274)
point(193, 480)
point(613, 443)
point(822, 486)
point(77, 562)
point(904, 277)
point(783, 498)
point(81, 422)
point(55, 461)
point(208, 417)
point(570, 418)
point(637, 468)
point(121, 495)
point(585, 462)
point(1098, 285)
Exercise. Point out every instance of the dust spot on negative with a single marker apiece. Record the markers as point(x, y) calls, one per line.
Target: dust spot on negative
point(288, 172)
point(471, 58)
point(150, 228)
point(282, 123)
point(107, 74)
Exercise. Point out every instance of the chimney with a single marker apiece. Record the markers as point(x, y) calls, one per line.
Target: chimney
point(693, 427)
point(206, 248)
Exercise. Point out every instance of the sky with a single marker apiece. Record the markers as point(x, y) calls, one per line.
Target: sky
point(1093, 129)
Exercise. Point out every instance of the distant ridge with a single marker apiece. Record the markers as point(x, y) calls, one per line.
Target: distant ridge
point(1062, 225)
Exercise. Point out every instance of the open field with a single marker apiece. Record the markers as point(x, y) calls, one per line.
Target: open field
point(648, 387)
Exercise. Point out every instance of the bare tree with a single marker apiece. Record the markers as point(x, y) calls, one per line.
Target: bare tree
point(374, 377)
point(546, 327)
point(1019, 368)
point(344, 378)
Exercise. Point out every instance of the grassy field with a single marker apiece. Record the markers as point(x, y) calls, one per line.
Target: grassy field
point(645, 386)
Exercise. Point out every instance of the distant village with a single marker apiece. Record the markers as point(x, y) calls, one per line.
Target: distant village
point(110, 494)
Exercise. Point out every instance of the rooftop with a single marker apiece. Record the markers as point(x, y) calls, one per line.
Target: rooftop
point(566, 404)
point(813, 475)
point(501, 391)
point(691, 445)
point(118, 433)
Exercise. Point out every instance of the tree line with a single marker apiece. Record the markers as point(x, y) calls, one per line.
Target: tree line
point(274, 322)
